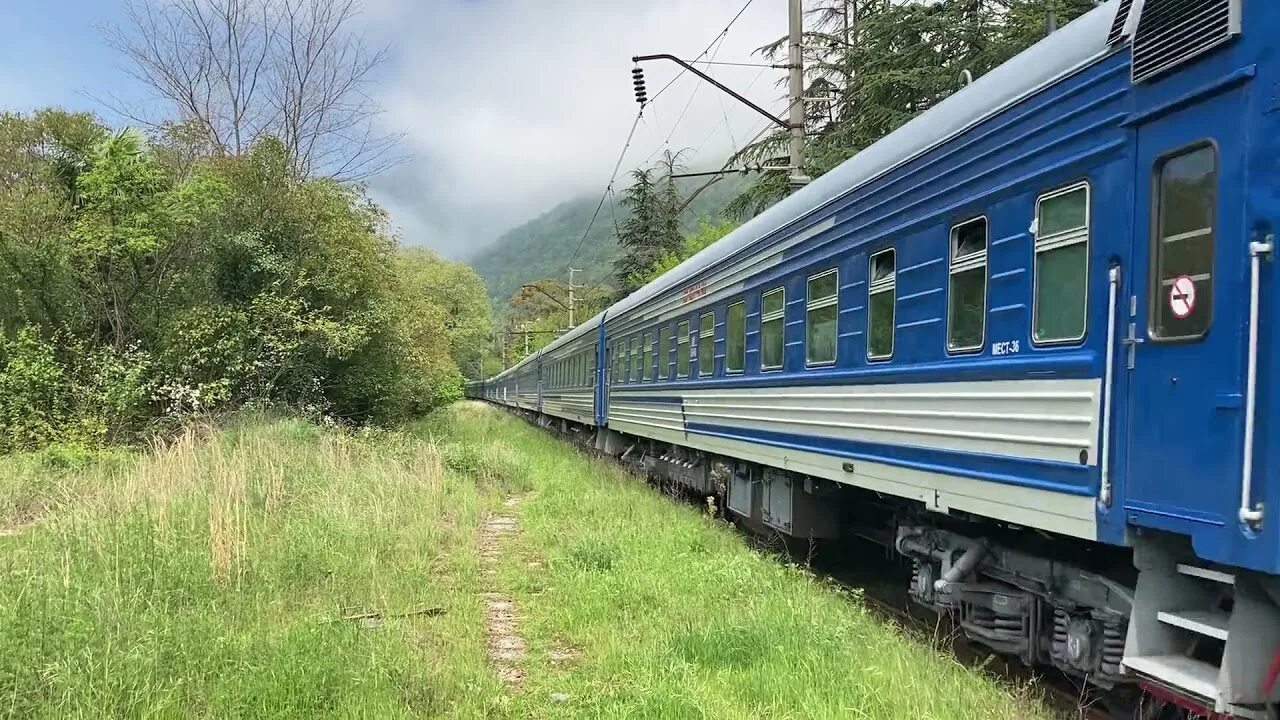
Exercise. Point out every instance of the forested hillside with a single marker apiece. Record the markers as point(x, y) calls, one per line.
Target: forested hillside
point(541, 248)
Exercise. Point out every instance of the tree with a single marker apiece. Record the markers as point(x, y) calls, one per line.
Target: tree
point(707, 233)
point(42, 156)
point(460, 294)
point(652, 228)
point(244, 70)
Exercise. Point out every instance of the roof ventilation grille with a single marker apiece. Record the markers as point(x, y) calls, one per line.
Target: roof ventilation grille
point(1117, 25)
point(1172, 32)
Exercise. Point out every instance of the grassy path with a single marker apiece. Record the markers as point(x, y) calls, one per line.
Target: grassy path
point(212, 578)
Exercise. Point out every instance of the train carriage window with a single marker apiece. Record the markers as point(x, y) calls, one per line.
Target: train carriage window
point(664, 353)
point(881, 304)
point(682, 349)
point(735, 353)
point(772, 321)
point(1062, 265)
point(822, 313)
point(706, 344)
point(967, 287)
point(648, 356)
point(622, 362)
point(637, 358)
point(1186, 214)
point(591, 369)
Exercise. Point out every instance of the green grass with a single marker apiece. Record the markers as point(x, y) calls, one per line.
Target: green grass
point(672, 615)
point(209, 578)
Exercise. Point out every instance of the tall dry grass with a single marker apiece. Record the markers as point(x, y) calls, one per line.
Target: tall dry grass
point(209, 577)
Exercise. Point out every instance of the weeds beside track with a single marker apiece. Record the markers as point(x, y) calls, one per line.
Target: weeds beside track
point(277, 569)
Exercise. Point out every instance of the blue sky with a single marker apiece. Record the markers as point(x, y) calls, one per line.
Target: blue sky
point(508, 106)
point(53, 54)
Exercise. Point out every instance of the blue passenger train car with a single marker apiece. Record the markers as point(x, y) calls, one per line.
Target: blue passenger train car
point(1030, 336)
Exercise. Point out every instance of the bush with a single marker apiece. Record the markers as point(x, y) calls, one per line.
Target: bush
point(33, 393)
point(136, 289)
point(65, 393)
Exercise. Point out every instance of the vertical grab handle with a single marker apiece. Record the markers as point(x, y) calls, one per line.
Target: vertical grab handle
point(1249, 513)
point(1113, 281)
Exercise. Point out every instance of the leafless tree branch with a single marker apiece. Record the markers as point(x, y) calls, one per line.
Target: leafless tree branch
point(242, 70)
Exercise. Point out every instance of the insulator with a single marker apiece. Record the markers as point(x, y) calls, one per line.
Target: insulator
point(637, 79)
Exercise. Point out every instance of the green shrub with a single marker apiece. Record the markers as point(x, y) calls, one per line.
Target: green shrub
point(34, 407)
point(136, 289)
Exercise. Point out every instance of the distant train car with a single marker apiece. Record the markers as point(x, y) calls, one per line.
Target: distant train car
point(1029, 338)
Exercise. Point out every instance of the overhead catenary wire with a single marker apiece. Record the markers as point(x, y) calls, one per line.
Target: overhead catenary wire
point(688, 103)
point(607, 189)
point(733, 140)
point(724, 170)
point(765, 66)
point(706, 50)
point(714, 47)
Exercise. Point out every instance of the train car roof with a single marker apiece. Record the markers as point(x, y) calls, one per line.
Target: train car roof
point(1076, 45)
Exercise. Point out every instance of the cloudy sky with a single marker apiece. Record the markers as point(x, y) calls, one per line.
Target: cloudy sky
point(509, 106)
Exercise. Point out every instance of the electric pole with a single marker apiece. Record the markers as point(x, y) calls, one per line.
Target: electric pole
point(795, 36)
point(571, 287)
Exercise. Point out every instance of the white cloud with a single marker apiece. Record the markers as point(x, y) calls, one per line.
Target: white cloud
point(511, 106)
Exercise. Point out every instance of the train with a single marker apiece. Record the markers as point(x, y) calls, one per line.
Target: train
point(1028, 341)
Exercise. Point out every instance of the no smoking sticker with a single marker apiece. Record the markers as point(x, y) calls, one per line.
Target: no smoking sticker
point(1182, 296)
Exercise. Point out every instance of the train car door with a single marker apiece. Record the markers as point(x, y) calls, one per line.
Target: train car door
point(606, 373)
point(1180, 329)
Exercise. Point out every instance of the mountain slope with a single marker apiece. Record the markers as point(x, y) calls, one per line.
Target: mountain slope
point(542, 247)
